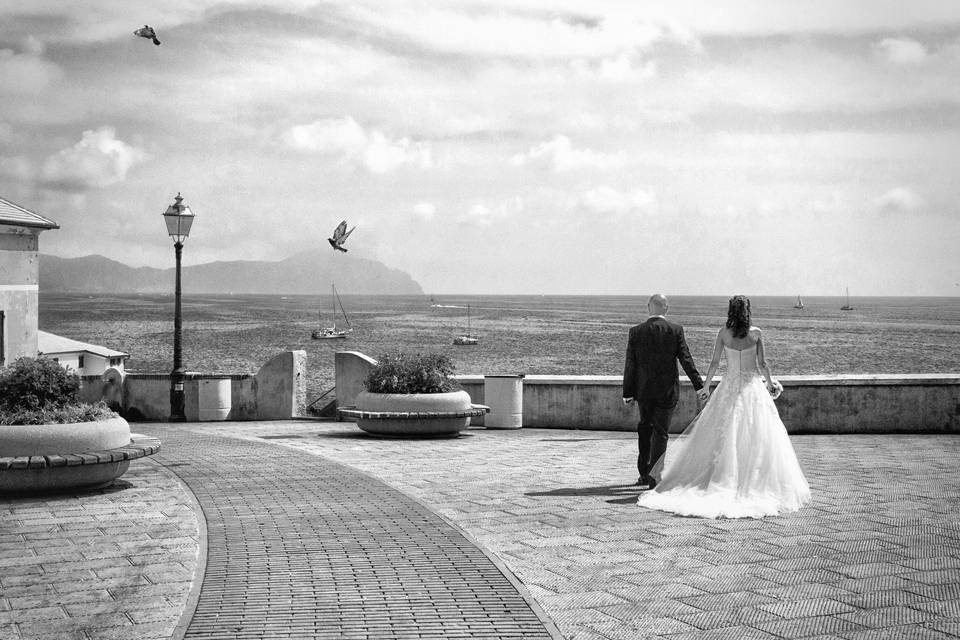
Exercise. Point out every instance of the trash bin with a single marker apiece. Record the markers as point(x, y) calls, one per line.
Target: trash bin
point(214, 399)
point(504, 396)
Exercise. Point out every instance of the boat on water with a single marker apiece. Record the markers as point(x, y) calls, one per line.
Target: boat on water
point(847, 306)
point(333, 332)
point(466, 339)
point(799, 304)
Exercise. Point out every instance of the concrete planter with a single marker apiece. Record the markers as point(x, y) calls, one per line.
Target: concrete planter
point(416, 414)
point(51, 457)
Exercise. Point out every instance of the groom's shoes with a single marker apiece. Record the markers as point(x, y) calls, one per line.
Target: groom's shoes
point(646, 480)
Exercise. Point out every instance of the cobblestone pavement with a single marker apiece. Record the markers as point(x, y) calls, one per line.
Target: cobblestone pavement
point(113, 563)
point(302, 547)
point(877, 554)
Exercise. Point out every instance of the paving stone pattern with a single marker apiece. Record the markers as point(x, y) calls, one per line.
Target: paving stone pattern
point(304, 541)
point(876, 555)
point(302, 547)
point(111, 563)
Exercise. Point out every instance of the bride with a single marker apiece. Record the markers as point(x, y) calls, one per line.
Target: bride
point(735, 460)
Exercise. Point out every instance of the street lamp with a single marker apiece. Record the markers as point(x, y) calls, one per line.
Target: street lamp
point(179, 219)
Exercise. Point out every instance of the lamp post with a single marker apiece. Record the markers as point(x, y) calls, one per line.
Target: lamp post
point(179, 219)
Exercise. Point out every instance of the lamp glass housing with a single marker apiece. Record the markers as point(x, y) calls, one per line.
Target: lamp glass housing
point(179, 219)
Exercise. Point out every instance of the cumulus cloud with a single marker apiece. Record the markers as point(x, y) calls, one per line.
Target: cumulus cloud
point(607, 200)
point(899, 200)
point(902, 50)
point(356, 146)
point(522, 34)
point(560, 155)
point(99, 159)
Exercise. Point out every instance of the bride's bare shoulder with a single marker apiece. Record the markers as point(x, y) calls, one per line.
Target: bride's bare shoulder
point(755, 332)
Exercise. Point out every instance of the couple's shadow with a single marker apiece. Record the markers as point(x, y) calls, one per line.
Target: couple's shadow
point(622, 493)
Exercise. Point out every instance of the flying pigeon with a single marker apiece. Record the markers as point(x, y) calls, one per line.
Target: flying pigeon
point(340, 236)
point(147, 32)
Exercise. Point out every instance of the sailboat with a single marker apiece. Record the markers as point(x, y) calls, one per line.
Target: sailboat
point(466, 339)
point(799, 304)
point(847, 306)
point(333, 332)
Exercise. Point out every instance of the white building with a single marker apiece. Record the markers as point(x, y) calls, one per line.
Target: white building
point(83, 358)
point(19, 279)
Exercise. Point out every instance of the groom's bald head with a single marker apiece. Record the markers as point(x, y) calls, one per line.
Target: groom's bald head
point(657, 305)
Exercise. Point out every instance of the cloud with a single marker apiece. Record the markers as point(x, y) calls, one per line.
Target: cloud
point(26, 73)
point(518, 34)
point(356, 146)
point(16, 167)
point(899, 200)
point(99, 159)
point(424, 210)
point(902, 50)
point(607, 200)
point(6, 133)
point(483, 215)
point(561, 156)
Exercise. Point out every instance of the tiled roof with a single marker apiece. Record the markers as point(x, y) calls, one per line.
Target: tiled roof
point(50, 344)
point(14, 214)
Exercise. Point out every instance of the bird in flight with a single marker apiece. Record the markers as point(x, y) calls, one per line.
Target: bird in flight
point(146, 31)
point(340, 236)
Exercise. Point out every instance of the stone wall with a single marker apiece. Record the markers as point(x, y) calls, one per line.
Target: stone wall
point(276, 392)
point(913, 403)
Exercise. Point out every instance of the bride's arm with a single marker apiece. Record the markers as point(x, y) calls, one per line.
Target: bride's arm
point(717, 350)
point(762, 361)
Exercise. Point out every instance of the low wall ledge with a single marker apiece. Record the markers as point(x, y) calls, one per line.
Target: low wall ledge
point(842, 380)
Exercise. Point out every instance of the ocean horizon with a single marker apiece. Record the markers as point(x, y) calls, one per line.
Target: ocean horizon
point(533, 334)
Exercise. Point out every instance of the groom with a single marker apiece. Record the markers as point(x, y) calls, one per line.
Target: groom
point(650, 378)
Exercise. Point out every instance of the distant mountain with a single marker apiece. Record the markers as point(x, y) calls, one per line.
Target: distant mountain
point(305, 273)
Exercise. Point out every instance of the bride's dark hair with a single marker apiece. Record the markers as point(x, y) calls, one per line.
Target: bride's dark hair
point(738, 316)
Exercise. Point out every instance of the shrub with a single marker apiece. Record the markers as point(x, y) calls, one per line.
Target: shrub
point(40, 391)
point(403, 373)
point(36, 383)
point(65, 414)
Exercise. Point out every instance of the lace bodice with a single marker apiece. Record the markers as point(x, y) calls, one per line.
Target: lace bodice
point(742, 362)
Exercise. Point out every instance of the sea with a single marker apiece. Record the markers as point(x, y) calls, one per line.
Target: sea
point(529, 334)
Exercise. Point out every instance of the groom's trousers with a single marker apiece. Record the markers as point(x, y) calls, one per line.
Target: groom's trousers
point(653, 432)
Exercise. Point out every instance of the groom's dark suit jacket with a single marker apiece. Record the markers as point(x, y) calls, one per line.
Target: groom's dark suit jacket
point(650, 374)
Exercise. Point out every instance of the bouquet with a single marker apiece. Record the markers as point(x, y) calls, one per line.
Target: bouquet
point(775, 389)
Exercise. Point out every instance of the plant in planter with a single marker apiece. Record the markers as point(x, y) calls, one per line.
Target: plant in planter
point(50, 440)
point(413, 395)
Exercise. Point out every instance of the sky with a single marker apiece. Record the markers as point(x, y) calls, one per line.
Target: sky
point(761, 147)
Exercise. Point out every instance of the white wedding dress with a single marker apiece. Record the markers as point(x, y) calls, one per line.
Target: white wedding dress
point(735, 460)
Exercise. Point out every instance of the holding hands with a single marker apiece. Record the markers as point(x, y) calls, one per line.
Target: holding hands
point(703, 394)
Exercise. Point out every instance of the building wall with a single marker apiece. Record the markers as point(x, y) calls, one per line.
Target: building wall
point(19, 279)
point(93, 364)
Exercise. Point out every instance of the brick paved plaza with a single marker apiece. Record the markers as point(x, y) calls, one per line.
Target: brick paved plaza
point(313, 529)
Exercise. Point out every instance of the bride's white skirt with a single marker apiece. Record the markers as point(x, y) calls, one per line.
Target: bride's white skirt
point(735, 461)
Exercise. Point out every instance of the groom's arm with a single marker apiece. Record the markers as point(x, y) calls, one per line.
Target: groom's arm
point(683, 355)
point(630, 368)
